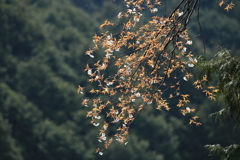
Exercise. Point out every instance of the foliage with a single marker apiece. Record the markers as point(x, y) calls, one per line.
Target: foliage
point(42, 45)
point(9, 149)
point(227, 69)
point(227, 153)
point(39, 40)
point(228, 6)
point(152, 60)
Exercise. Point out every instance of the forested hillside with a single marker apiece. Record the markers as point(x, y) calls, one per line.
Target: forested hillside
point(42, 61)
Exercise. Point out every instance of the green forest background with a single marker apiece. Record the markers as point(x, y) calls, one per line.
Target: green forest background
point(42, 58)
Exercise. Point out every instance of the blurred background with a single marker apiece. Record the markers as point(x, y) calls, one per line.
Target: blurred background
point(42, 58)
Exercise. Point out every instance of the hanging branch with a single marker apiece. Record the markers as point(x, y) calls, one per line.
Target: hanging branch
point(147, 60)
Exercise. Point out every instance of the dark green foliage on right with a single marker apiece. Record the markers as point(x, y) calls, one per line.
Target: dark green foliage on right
point(226, 153)
point(227, 69)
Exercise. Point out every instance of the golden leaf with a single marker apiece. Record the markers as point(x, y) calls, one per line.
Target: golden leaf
point(221, 3)
point(198, 87)
point(195, 117)
point(97, 150)
point(106, 23)
point(198, 124)
point(229, 6)
point(216, 90)
point(212, 97)
point(191, 121)
point(211, 87)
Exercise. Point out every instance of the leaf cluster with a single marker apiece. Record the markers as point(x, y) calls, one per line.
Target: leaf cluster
point(148, 59)
point(226, 153)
